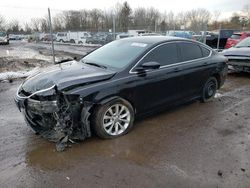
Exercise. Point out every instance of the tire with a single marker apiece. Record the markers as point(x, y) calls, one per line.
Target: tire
point(80, 42)
point(116, 124)
point(61, 40)
point(72, 41)
point(209, 89)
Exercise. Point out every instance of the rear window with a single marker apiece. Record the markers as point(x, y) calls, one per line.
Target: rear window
point(190, 51)
point(2, 34)
point(61, 34)
point(205, 51)
point(165, 54)
point(235, 36)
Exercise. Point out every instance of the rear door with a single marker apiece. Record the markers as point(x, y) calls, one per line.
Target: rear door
point(195, 69)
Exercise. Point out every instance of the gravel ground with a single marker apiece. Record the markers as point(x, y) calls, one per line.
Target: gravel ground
point(194, 145)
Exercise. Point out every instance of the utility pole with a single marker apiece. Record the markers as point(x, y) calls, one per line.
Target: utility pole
point(155, 25)
point(205, 34)
point(51, 35)
point(114, 26)
point(218, 42)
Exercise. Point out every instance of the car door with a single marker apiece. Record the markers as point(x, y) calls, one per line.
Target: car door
point(195, 68)
point(158, 87)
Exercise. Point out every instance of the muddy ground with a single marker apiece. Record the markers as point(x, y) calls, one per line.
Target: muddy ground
point(23, 56)
point(194, 145)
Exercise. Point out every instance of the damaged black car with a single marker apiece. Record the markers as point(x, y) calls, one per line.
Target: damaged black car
point(106, 89)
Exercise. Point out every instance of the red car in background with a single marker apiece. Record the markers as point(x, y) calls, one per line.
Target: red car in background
point(236, 38)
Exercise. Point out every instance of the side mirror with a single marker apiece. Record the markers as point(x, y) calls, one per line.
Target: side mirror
point(151, 65)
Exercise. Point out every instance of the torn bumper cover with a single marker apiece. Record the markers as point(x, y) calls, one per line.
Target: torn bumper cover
point(58, 118)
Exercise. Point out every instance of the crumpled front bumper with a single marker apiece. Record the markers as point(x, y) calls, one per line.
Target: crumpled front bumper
point(25, 102)
point(36, 106)
point(56, 119)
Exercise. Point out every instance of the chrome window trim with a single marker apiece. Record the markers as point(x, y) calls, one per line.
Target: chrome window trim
point(40, 91)
point(174, 64)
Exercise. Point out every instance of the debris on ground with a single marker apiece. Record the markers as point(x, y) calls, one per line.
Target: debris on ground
point(220, 173)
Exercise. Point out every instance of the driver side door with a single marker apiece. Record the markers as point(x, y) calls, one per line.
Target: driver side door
point(162, 86)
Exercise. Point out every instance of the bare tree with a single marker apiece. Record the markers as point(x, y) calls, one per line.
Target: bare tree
point(84, 19)
point(95, 17)
point(139, 16)
point(198, 19)
point(27, 28)
point(124, 16)
point(216, 15)
point(14, 26)
point(2, 23)
point(44, 24)
point(72, 20)
point(246, 10)
point(35, 24)
point(58, 23)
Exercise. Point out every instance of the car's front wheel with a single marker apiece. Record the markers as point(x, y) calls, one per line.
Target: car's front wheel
point(113, 119)
point(209, 89)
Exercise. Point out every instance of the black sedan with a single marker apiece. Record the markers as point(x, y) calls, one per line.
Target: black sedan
point(239, 56)
point(104, 91)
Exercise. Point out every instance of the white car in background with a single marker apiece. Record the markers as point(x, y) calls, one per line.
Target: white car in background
point(4, 38)
point(72, 37)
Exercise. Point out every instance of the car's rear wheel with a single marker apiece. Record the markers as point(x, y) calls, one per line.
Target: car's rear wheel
point(209, 89)
point(113, 119)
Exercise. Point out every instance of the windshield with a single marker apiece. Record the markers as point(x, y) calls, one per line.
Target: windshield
point(117, 54)
point(235, 36)
point(2, 34)
point(244, 43)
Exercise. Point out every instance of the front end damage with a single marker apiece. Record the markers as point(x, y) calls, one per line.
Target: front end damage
point(57, 117)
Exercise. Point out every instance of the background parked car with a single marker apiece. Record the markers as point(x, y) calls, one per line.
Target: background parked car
point(48, 37)
point(212, 39)
point(4, 38)
point(15, 37)
point(72, 37)
point(239, 56)
point(236, 38)
point(180, 33)
point(97, 38)
point(123, 35)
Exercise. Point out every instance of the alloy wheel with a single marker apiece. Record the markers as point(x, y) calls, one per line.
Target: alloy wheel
point(116, 119)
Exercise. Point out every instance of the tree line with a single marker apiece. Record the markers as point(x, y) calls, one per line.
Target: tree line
point(126, 18)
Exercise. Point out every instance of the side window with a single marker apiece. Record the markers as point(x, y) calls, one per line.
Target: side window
point(205, 51)
point(165, 54)
point(190, 51)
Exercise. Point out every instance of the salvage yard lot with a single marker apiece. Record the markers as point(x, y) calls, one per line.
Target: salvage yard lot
point(193, 145)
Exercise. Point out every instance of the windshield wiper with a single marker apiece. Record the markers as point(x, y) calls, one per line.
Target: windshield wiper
point(95, 64)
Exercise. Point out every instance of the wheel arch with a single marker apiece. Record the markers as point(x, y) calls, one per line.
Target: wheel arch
point(110, 98)
point(218, 78)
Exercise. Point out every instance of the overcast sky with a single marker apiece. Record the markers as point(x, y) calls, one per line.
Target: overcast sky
point(24, 10)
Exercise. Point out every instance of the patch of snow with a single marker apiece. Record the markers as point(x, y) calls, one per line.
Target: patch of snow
point(18, 74)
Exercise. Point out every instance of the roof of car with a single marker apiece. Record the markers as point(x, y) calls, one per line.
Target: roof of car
point(241, 33)
point(153, 39)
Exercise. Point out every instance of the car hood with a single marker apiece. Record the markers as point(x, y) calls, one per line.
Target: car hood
point(237, 52)
point(65, 75)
